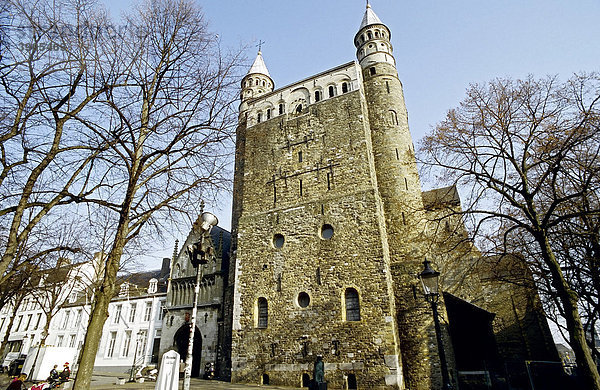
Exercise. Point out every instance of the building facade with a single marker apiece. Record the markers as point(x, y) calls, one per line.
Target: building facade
point(209, 332)
point(329, 231)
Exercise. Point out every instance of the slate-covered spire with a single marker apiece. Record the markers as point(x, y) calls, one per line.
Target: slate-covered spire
point(369, 18)
point(257, 81)
point(259, 66)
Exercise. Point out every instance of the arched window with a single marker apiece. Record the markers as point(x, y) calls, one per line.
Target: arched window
point(317, 96)
point(376, 34)
point(268, 113)
point(352, 305)
point(249, 82)
point(264, 84)
point(369, 35)
point(259, 117)
point(331, 91)
point(393, 117)
point(280, 108)
point(299, 108)
point(344, 87)
point(262, 312)
point(265, 379)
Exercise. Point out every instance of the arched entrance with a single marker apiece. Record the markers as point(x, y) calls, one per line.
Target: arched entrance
point(182, 341)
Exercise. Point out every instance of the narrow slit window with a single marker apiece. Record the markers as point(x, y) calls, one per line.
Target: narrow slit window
point(406, 183)
point(387, 86)
point(300, 187)
point(352, 305)
point(300, 156)
point(263, 313)
point(397, 154)
point(328, 181)
point(403, 218)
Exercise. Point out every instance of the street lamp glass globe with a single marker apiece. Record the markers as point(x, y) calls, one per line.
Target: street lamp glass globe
point(429, 279)
point(208, 220)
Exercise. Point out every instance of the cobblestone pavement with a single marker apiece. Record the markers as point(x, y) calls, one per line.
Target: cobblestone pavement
point(102, 382)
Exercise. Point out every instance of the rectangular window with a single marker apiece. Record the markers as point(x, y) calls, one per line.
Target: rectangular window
point(142, 340)
point(28, 323)
point(126, 343)
point(59, 340)
point(148, 311)
point(19, 319)
point(132, 310)
point(72, 339)
point(161, 311)
point(79, 317)
point(110, 350)
point(38, 320)
point(66, 319)
point(2, 324)
point(117, 314)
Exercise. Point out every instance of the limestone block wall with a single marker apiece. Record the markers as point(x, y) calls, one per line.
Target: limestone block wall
point(304, 170)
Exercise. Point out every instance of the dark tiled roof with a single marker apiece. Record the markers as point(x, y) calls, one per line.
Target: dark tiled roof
point(441, 197)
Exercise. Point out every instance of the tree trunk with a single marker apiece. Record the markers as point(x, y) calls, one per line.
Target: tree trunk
point(568, 300)
point(99, 312)
point(11, 320)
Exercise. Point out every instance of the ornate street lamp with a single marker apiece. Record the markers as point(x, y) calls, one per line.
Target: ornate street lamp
point(429, 280)
point(198, 253)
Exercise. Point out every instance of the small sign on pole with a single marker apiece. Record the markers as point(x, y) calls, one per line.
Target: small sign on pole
point(168, 375)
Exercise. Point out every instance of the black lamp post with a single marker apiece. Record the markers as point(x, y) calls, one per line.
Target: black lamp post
point(198, 253)
point(133, 364)
point(429, 279)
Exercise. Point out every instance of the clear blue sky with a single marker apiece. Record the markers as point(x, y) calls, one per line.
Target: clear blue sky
point(440, 46)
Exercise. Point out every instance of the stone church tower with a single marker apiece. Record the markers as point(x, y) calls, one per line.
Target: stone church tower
point(328, 230)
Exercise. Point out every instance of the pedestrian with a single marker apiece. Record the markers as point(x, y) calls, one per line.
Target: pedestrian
point(65, 374)
point(18, 383)
point(53, 375)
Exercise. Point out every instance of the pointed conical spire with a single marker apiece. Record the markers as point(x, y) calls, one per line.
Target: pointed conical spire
point(259, 66)
point(369, 18)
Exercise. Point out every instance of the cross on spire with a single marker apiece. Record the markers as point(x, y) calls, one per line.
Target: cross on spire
point(260, 43)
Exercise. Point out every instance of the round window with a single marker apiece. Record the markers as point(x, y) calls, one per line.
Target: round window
point(278, 240)
point(326, 232)
point(303, 299)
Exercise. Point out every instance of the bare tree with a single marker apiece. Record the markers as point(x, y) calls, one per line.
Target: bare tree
point(48, 77)
point(522, 148)
point(172, 125)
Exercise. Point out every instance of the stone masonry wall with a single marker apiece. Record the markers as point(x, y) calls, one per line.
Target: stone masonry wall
point(332, 183)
